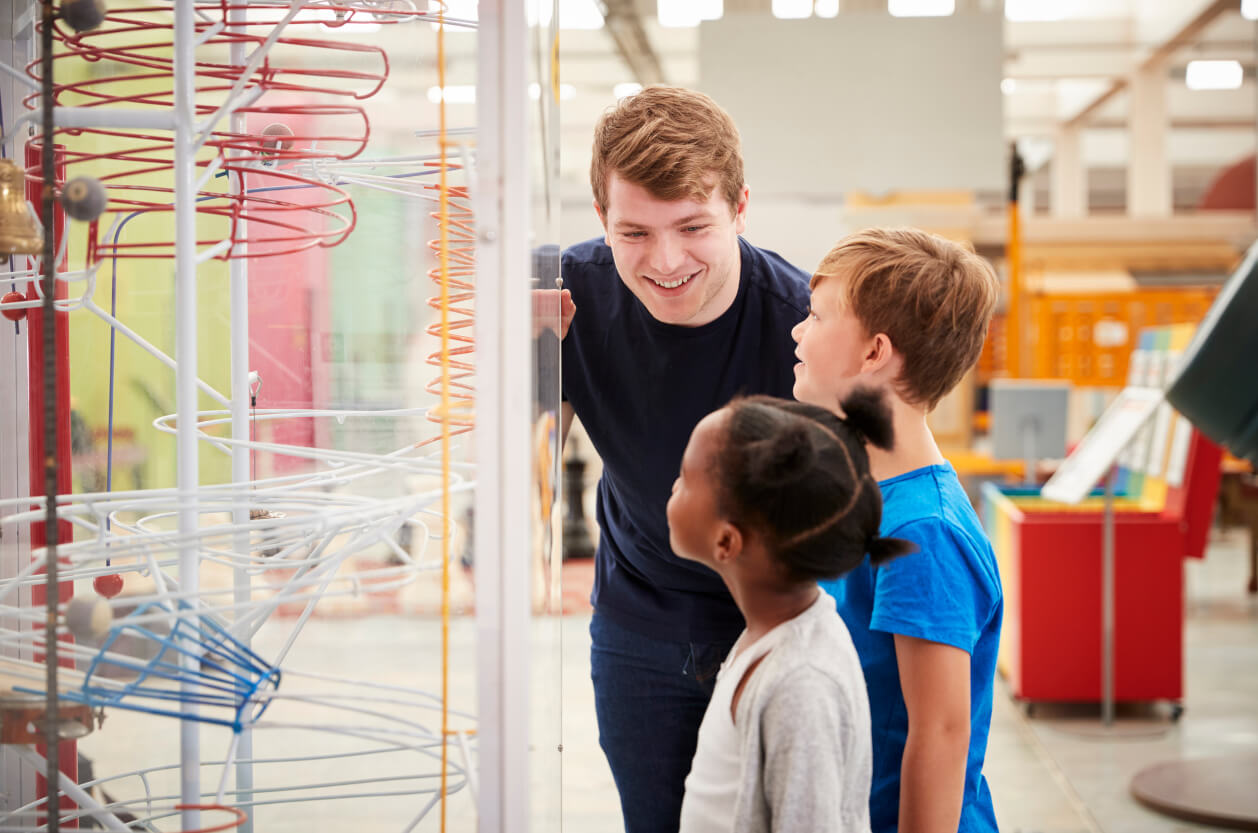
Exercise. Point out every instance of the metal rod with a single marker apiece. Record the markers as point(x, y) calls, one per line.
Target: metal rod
point(52, 718)
point(188, 472)
point(241, 404)
point(1107, 602)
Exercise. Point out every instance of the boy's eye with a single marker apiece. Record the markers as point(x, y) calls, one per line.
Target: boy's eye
point(635, 234)
point(694, 228)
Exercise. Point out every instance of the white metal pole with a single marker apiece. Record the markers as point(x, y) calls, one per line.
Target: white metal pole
point(241, 393)
point(504, 409)
point(188, 474)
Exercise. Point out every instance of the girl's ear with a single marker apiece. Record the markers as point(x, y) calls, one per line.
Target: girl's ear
point(729, 543)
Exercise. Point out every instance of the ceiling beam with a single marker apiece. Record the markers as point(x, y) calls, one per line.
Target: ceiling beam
point(1186, 36)
point(624, 25)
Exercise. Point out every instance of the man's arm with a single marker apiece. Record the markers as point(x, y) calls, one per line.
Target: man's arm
point(935, 679)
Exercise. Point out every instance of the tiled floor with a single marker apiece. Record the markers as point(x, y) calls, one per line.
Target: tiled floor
point(1047, 774)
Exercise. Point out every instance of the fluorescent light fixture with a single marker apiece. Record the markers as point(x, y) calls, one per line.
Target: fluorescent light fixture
point(921, 8)
point(454, 94)
point(1249, 9)
point(1214, 75)
point(566, 91)
point(579, 14)
point(1008, 86)
point(788, 9)
point(626, 89)
point(1035, 9)
point(687, 13)
point(826, 8)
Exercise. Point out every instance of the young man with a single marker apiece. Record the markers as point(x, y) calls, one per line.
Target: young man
point(675, 314)
point(906, 312)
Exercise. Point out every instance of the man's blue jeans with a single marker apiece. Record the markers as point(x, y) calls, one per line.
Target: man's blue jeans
point(650, 696)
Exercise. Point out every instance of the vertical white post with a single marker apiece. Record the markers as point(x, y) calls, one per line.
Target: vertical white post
point(17, 48)
point(188, 474)
point(1149, 171)
point(504, 410)
point(1068, 195)
point(240, 407)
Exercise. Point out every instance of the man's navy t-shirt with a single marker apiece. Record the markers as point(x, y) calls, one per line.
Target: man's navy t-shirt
point(639, 387)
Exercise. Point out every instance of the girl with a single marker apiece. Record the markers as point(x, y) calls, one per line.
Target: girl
point(774, 495)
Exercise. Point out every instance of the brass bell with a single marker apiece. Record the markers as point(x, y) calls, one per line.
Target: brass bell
point(19, 235)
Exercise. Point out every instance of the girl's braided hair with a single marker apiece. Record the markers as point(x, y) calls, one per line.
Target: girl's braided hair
point(798, 475)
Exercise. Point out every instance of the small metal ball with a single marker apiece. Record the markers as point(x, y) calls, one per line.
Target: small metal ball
point(83, 15)
point(84, 198)
point(276, 136)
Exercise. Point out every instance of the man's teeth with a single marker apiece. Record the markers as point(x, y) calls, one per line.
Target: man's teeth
point(673, 284)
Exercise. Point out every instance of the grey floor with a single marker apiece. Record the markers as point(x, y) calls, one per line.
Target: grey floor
point(1053, 773)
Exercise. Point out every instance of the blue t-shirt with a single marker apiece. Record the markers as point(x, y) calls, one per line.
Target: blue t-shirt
point(949, 592)
point(639, 387)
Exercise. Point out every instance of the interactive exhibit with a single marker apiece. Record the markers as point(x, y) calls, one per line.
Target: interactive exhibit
point(1092, 562)
point(268, 363)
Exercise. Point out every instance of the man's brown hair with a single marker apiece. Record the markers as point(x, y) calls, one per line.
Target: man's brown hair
point(932, 297)
point(675, 143)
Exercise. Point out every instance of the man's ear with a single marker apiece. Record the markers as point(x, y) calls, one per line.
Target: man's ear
point(729, 543)
point(740, 210)
point(599, 211)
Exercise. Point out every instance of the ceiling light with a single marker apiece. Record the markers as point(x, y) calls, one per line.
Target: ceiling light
point(921, 8)
point(1214, 75)
point(676, 13)
point(1008, 85)
point(579, 14)
point(626, 89)
point(454, 94)
point(788, 9)
point(826, 8)
point(1249, 9)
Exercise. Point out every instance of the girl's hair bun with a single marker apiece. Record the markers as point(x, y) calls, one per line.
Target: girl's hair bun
point(884, 549)
point(866, 411)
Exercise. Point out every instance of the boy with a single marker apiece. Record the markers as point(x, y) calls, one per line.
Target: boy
point(675, 314)
point(907, 312)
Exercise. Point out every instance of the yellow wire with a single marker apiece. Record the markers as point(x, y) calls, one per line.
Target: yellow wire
point(444, 259)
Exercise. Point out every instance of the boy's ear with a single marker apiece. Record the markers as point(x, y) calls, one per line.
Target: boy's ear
point(729, 543)
point(878, 354)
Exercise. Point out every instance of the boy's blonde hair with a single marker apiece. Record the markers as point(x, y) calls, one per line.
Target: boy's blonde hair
point(675, 143)
point(932, 297)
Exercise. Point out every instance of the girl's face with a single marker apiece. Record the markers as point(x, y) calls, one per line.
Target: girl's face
point(694, 523)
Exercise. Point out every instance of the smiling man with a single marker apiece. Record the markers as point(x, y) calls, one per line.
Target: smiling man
point(675, 314)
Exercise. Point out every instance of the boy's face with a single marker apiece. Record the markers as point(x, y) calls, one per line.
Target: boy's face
point(679, 258)
point(693, 520)
point(831, 347)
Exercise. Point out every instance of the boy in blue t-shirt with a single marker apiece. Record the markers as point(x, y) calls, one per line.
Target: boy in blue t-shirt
point(907, 312)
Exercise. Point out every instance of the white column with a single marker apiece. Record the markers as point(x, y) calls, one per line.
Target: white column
point(1068, 192)
point(503, 413)
point(1149, 171)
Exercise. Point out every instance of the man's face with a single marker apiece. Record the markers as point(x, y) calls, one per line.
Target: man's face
point(679, 258)
point(831, 346)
